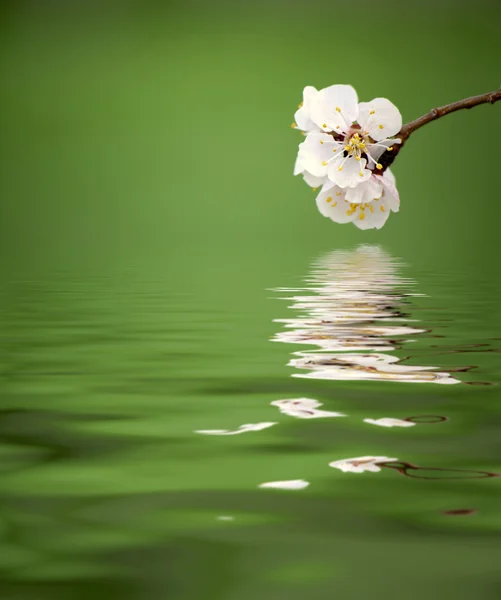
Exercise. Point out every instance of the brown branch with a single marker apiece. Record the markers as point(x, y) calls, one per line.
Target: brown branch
point(436, 113)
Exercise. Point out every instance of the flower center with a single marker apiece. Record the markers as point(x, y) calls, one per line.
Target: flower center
point(356, 146)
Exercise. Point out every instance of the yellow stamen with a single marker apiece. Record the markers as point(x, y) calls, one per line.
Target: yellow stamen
point(379, 166)
point(361, 174)
point(293, 125)
point(372, 112)
point(300, 105)
point(329, 199)
point(340, 169)
point(390, 148)
point(362, 215)
point(338, 109)
point(382, 208)
point(380, 126)
point(324, 125)
point(321, 141)
point(324, 164)
point(314, 189)
point(357, 157)
point(334, 203)
point(338, 193)
point(371, 209)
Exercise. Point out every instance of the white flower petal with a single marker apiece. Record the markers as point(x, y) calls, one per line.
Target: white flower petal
point(315, 153)
point(391, 196)
point(336, 108)
point(293, 484)
point(298, 167)
point(380, 118)
point(331, 204)
point(312, 181)
point(377, 149)
point(375, 215)
point(348, 172)
point(389, 177)
point(302, 116)
point(365, 192)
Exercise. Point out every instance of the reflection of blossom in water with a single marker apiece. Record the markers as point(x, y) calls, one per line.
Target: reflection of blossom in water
point(292, 484)
point(389, 422)
point(352, 306)
point(304, 408)
point(361, 464)
point(364, 366)
point(241, 429)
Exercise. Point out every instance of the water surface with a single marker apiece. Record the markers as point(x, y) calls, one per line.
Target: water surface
point(108, 489)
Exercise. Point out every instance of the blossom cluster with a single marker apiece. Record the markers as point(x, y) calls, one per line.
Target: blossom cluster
point(345, 140)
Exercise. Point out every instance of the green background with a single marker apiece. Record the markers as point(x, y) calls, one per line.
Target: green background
point(136, 130)
point(147, 205)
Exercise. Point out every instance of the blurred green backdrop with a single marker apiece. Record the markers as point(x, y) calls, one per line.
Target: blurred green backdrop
point(161, 130)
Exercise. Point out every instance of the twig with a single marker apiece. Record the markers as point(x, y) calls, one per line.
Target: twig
point(436, 113)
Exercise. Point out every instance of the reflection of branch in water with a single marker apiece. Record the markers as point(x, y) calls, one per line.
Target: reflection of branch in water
point(354, 306)
point(406, 468)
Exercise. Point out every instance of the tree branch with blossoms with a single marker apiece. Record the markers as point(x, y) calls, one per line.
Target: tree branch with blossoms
point(350, 146)
point(437, 113)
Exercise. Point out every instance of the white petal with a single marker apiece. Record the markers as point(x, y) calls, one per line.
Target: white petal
point(314, 182)
point(335, 108)
point(384, 121)
point(388, 176)
point(377, 149)
point(302, 116)
point(331, 204)
point(348, 172)
point(374, 216)
point(293, 484)
point(390, 195)
point(365, 192)
point(298, 167)
point(316, 152)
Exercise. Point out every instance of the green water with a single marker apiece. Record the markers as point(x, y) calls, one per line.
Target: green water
point(107, 490)
point(155, 249)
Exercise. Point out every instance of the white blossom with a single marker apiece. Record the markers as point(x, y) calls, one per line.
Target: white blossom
point(389, 422)
point(361, 464)
point(345, 138)
point(367, 206)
